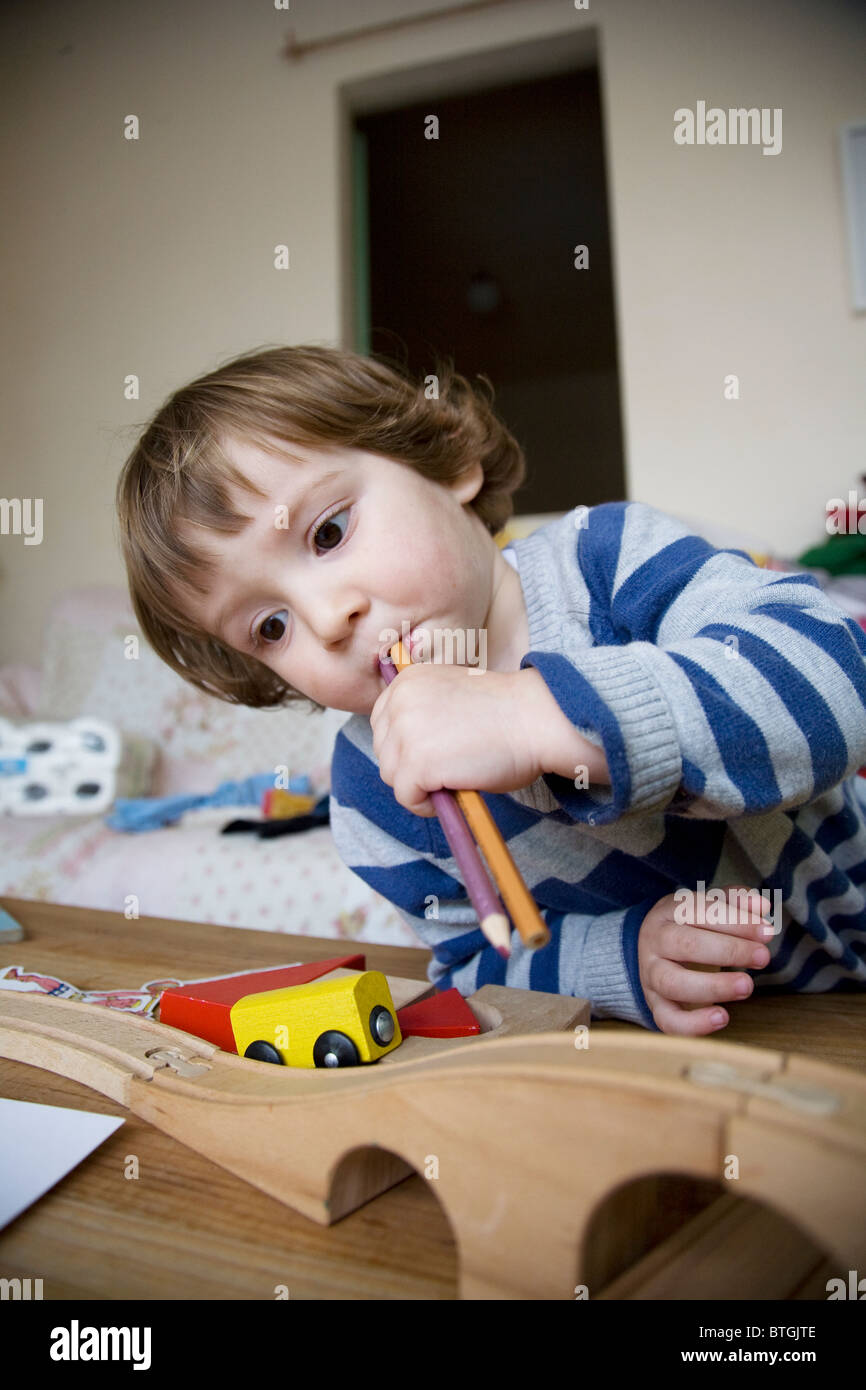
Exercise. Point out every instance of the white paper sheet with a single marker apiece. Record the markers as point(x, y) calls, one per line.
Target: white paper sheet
point(39, 1145)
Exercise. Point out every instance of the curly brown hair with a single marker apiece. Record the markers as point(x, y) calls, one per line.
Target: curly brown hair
point(178, 473)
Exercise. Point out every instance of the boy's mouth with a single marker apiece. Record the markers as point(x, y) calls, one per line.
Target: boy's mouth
point(384, 648)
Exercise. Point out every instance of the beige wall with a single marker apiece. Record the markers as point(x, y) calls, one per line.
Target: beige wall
point(155, 257)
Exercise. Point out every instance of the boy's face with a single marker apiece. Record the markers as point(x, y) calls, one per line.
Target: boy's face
point(319, 582)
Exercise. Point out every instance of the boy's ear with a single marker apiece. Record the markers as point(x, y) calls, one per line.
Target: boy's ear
point(469, 484)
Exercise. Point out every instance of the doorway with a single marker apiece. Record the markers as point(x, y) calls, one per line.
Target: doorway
point(463, 246)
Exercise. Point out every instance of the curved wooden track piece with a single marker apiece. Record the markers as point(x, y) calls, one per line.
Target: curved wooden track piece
point(523, 1136)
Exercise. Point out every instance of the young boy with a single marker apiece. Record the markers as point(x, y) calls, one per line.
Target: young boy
point(649, 714)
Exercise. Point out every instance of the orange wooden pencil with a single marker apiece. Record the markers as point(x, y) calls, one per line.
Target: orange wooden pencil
point(530, 924)
point(527, 919)
point(481, 889)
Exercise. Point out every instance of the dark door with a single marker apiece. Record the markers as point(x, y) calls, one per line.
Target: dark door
point(465, 245)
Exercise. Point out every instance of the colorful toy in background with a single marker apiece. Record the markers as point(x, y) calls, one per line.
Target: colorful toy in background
point(65, 768)
point(839, 561)
point(280, 805)
point(292, 1016)
point(151, 812)
point(285, 812)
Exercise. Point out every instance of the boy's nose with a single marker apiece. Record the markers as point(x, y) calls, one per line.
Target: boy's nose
point(335, 624)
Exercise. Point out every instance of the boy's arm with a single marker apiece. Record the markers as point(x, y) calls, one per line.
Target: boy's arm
point(565, 750)
point(589, 956)
point(715, 689)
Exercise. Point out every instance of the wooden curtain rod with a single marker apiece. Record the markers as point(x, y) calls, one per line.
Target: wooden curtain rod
point(295, 50)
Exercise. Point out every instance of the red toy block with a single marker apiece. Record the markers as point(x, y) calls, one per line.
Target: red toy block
point(445, 1015)
point(203, 1008)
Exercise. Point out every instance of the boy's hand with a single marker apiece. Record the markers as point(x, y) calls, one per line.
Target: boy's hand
point(666, 944)
point(438, 726)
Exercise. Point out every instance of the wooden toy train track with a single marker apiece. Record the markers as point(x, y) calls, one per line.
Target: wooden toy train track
point(524, 1132)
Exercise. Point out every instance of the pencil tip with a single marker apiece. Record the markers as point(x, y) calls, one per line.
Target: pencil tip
point(504, 952)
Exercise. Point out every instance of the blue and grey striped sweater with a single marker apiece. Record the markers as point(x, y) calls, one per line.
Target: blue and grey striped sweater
point(729, 701)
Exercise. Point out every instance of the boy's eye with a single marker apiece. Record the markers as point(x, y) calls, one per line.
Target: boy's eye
point(269, 629)
point(273, 629)
point(331, 531)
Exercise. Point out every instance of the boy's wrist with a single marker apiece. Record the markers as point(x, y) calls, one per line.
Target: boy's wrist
point(561, 748)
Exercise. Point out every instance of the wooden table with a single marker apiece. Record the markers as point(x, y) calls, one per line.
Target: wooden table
point(187, 1229)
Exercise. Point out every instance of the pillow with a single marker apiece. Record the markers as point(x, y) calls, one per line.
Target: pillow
point(75, 767)
point(90, 666)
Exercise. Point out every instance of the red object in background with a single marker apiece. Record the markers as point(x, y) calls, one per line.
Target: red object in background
point(446, 1015)
point(204, 1007)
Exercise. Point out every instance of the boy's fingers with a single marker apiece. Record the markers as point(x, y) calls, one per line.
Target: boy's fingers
point(690, 1023)
point(413, 797)
point(705, 946)
point(679, 985)
point(741, 913)
point(741, 907)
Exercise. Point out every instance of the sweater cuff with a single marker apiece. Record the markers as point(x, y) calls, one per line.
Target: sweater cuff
point(609, 970)
point(611, 699)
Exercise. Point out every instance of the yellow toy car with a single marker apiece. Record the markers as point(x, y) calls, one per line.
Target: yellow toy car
point(328, 1023)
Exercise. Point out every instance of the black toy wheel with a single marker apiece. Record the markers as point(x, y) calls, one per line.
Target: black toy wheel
point(382, 1025)
point(335, 1050)
point(263, 1052)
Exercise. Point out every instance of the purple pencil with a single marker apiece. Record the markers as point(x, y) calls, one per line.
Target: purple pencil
point(491, 915)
